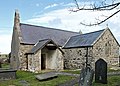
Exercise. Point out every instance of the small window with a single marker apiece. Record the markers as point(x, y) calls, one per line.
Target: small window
point(108, 49)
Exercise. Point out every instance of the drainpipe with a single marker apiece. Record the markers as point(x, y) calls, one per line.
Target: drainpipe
point(86, 57)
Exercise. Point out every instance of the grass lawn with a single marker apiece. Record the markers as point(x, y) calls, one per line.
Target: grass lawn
point(112, 81)
point(32, 81)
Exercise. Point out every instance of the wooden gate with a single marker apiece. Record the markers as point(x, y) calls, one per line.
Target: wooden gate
point(101, 71)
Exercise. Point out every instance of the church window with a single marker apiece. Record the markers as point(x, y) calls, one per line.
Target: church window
point(108, 49)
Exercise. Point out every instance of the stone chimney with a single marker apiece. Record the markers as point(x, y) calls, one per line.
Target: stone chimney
point(17, 24)
point(16, 19)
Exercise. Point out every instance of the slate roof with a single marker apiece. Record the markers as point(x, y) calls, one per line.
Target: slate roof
point(39, 45)
point(83, 40)
point(31, 34)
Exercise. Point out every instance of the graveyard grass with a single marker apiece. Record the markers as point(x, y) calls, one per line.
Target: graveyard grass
point(112, 81)
point(32, 81)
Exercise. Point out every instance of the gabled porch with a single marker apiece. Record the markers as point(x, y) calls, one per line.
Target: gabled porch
point(45, 55)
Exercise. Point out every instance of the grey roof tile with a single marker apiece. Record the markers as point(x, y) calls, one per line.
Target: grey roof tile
point(39, 45)
point(83, 40)
point(32, 34)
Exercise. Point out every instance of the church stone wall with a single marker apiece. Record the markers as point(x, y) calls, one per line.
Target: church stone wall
point(23, 49)
point(34, 62)
point(75, 58)
point(60, 60)
point(107, 48)
point(54, 59)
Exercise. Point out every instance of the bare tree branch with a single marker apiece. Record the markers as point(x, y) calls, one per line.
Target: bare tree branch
point(76, 4)
point(104, 6)
point(98, 23)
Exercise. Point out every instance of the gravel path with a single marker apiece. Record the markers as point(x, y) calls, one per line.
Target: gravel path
point(68, 74)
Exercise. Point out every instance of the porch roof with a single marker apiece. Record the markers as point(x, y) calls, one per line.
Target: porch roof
point(41, 44)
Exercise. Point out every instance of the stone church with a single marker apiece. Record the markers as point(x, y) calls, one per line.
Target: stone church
point(35, 48)
point(99, 45)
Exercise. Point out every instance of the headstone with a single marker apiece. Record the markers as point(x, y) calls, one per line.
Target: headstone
point(101, 71)
point(86, 77)
point(7, 74)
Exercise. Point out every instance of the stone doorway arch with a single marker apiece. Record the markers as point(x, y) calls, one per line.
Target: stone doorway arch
point(101, 71)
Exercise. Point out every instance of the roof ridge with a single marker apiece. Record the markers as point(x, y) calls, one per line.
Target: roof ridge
point(93, 32)
point(49, 28)
point(44, 40)
point(88, 33)
point(41, 41)
point(83, 40)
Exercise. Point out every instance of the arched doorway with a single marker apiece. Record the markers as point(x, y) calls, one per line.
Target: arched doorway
point(101, 71)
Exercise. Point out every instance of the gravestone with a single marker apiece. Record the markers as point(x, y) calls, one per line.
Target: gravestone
point(46, 76)
point(7, 74)
point(101, 71)
point(86, 76)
